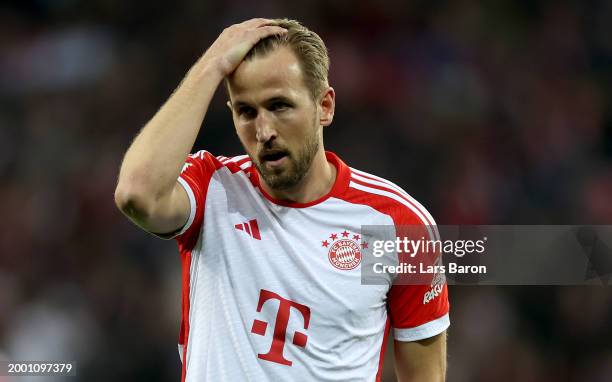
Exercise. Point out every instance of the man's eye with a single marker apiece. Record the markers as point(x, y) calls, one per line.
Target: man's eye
point(279, 106)
point(247, 112)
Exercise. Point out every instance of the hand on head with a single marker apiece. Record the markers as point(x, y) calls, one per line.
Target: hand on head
point(233, 44)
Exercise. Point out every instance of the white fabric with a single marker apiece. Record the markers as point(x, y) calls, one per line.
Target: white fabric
point(230, 269)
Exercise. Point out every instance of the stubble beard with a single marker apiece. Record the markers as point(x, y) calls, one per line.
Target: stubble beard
point(297, 167)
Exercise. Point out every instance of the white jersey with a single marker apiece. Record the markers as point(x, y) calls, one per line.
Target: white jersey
point(272, 289)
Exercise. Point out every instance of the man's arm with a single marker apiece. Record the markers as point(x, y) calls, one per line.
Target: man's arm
point(147, 190)
point(423, 361)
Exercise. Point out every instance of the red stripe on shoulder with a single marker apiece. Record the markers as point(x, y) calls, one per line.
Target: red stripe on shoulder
point(383, 184)
point(243, 160)
point(247, 170)
point(235, 164)
point(400, 214)
point(234, 167)
point(414, 208)
point(204, 155)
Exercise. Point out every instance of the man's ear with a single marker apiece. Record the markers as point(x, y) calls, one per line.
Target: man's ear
point(327, 105)
point(229, 104)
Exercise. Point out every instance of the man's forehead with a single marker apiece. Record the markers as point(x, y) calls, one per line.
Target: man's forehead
point(277, 72)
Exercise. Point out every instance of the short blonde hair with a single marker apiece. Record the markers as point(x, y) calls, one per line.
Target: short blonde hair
point(309, 49)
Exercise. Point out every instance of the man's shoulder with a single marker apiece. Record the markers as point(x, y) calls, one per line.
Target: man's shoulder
point(235, 164)
point(386, 197)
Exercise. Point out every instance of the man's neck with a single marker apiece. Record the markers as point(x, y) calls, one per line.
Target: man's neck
point(317, 182)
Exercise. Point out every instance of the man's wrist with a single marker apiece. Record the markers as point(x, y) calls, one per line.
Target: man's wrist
point(207, 70)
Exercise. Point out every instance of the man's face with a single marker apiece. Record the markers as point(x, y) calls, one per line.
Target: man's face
point(275, 117)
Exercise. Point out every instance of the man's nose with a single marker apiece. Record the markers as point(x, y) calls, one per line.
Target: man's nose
point(264, 131)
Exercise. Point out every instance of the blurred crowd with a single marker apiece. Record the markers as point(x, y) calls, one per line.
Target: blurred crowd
point(488, 112)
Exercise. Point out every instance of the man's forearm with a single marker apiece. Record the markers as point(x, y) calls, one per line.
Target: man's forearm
point(154, 160)
point(423, 360)
point(147, 191)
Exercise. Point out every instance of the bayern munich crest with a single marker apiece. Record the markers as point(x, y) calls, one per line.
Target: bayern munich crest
point(344, 250)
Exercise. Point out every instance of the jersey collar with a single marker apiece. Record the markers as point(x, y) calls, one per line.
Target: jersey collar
point(341, 183)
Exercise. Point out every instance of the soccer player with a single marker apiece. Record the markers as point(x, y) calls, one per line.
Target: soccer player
point(270, 241)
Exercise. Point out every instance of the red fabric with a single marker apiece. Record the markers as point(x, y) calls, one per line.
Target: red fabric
point(197, 172)
point(405, 302)
point(340, 185)
point(184, 333)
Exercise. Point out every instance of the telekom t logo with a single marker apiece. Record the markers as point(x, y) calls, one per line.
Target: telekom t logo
point(275, 354)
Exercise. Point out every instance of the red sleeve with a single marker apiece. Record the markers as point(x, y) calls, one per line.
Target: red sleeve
point(418, 311)
point(195, 178)
point(418, 307)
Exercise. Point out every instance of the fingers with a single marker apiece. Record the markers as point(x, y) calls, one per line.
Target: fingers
point(269, 30)
point(255, 34)
point(258, 22)
point(235, 42)
point(261, 27)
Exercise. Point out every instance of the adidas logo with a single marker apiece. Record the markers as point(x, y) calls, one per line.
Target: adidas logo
point(251, 228)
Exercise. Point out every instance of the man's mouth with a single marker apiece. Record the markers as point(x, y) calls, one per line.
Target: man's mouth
point(273, 157)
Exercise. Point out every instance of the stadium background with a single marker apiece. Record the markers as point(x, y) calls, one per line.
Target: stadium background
point(487, 112)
